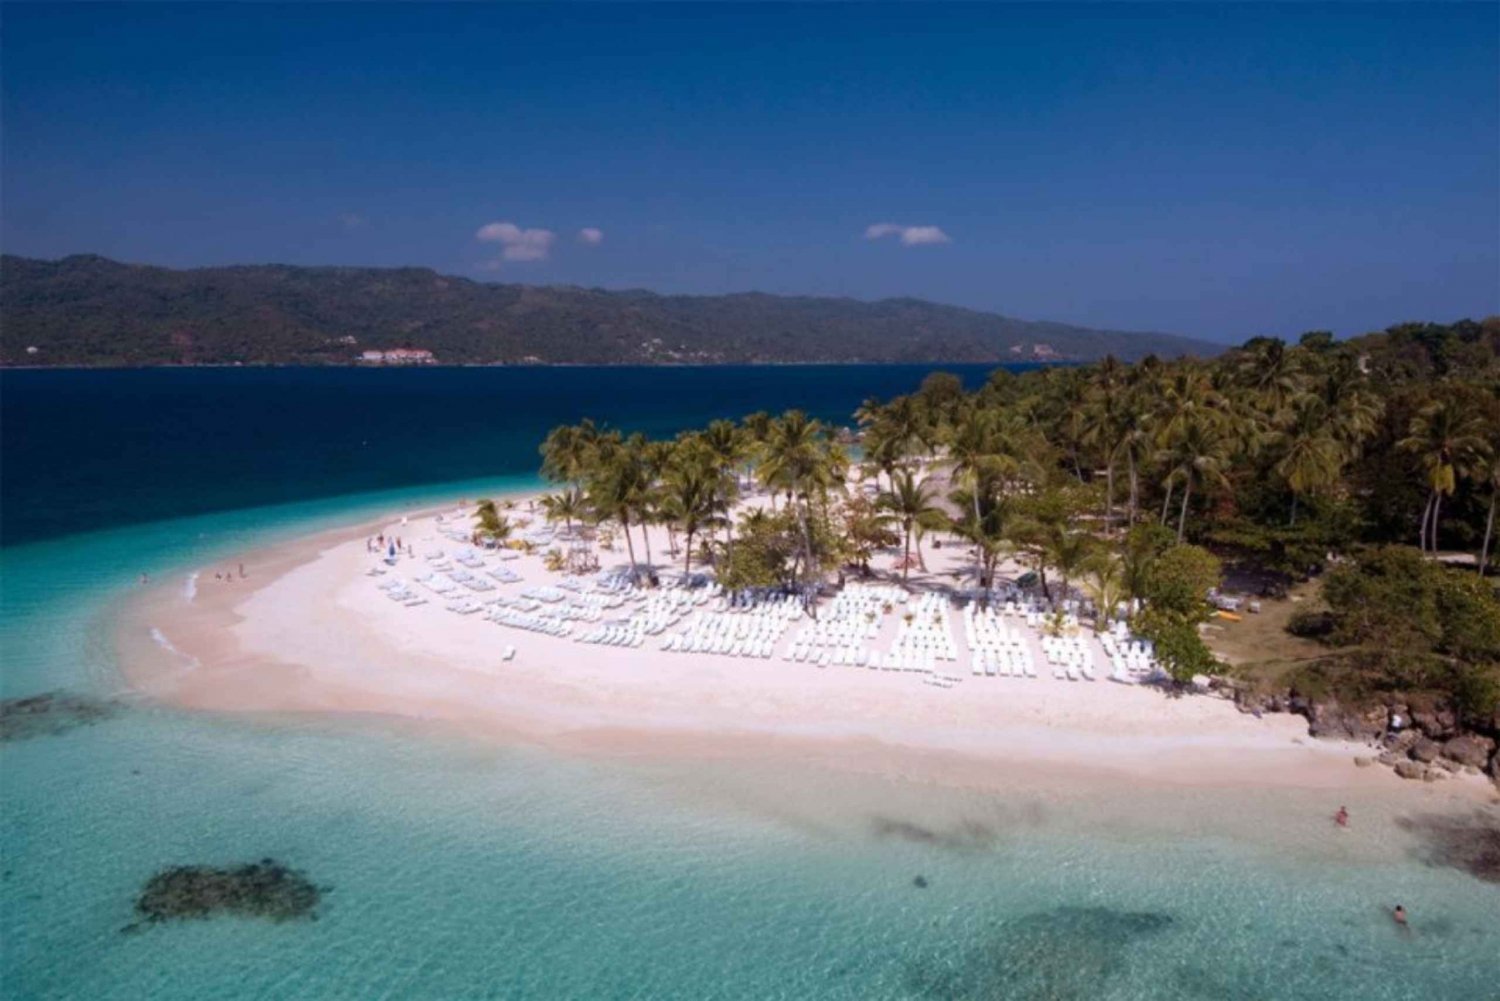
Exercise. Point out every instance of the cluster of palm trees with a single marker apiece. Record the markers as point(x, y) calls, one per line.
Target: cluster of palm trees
point(691, 484)
point(1289, 448)
point(1238, 446)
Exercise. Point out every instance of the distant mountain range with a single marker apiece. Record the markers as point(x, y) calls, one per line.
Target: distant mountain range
point(88, 310)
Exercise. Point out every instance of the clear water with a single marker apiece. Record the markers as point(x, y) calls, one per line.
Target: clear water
point(467, 871)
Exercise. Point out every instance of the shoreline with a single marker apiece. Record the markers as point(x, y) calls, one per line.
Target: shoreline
point(309, 633)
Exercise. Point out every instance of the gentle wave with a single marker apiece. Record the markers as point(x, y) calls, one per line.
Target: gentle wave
point(189, 587)
point(161, 640)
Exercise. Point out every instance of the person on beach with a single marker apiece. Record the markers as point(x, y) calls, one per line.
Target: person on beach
point(145, 579)
point(242, 570)
point(1342, 817)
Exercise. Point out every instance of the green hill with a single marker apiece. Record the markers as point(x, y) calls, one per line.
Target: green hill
point(89, 310)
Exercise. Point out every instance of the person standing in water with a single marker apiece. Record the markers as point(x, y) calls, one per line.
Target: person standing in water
point(1342, 817)
point(1399, 915)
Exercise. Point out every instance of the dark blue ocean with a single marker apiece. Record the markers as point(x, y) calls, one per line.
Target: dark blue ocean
point(84, 450)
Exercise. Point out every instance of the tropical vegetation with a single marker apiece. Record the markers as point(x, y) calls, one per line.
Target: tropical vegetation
point(1136, 484)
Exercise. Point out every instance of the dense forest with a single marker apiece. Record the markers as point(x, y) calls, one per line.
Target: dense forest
point(94, 311)
point(1369, 466)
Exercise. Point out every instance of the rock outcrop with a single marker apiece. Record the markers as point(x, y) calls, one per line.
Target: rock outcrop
point(1470, 749)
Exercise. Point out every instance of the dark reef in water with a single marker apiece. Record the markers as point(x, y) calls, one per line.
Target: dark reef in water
point(51, 713)
point(1068, 953)
point(1470, 842)
point(264, 889)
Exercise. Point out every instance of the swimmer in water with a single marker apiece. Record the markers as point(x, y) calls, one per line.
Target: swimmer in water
point(1399, 914)
point(1342, 817)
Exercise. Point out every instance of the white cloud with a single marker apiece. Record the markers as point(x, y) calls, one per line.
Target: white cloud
point(591, 236)
point(517, 244)
point(910, 236)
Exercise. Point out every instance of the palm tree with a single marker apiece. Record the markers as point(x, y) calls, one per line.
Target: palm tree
point(566, 506)
point(654, 458)
point(617, 485)
point(1272, 372)
point(1490, 477)
point(1196, 455)
point(1105, 587)
point(799, 461)
point(491, 523)
point(727, 442)
point(567, 449)
point(1102, 423)
point(1447, 437)
point(985, 522)
point(892, 433)
point(690, 488)
point(1067, 552)
point(910, 503)
point(1311, 454)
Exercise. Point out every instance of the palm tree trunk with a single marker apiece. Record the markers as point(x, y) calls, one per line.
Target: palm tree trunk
point(1489, 531)
point(806, 535)
point(1294, 508)
point(1109, 497)
point(646, 534)
point(1166, 505)
point(687, 562)
point(979, 553)
point(1437, 510)
point(906, 554)
point(635, 571)
point(1135, 487)
point(1422, 530)
point(1187, 491)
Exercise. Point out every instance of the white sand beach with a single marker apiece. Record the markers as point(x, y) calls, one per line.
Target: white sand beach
point(313, 627)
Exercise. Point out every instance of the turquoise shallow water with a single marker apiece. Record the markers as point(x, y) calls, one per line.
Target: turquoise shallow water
point(470, 871)
point(465, 871)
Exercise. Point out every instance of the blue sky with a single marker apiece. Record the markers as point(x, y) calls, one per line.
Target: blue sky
point(1216, 171)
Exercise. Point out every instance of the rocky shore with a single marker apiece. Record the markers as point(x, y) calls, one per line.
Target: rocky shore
point(1419, 742)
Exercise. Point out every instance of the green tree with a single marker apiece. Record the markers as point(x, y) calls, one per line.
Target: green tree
point(566, 506)
point(1447, 438)
point(910, 502)
point(1180, 579)
point(491, 523)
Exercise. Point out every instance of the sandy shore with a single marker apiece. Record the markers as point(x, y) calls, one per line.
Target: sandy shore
point(308, 630)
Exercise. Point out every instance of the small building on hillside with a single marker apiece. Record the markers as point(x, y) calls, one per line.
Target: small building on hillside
point(398, 356)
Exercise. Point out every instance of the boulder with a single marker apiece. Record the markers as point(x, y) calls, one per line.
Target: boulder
point(1439, 724)
point(1402, 741)
point(1389, 758)
point(1470, 749)
point(1434, 775)
point(1447, 765)
point(1363, 762)
point(1333, 722)
point(1425, 750)
point(1410, 769)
